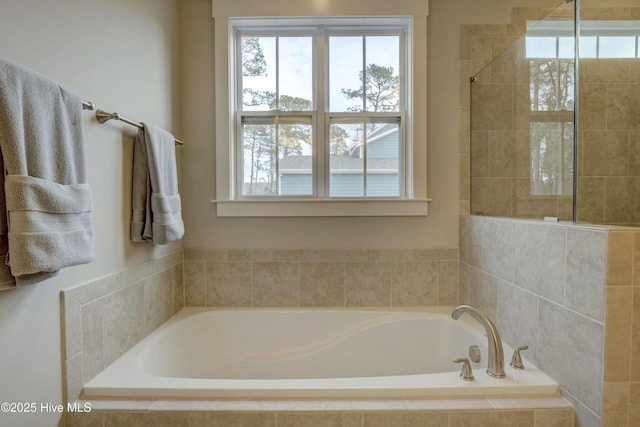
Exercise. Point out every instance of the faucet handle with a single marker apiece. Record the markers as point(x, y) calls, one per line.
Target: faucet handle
point(516, 360)
point(466, 373)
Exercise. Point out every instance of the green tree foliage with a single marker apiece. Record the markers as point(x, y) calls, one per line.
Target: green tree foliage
point(379, 88)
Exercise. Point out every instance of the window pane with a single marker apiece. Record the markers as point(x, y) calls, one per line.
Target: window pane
point(383, 154)
point(347, 160)
point(258, 159)
point(551, 158)
point(382, 81)
point(566, 47)
point(541, 47)
point(295, 73)
point(617, 47)
point(277, 156)
point(551, 84)
point(345, 74)
point(295, 159)
point(588, 47)
point(350, 148)
point(258, 73)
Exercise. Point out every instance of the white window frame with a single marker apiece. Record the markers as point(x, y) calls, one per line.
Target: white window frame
point(414, 201)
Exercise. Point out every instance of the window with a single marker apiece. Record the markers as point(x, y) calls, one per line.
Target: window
point(351, 121)
point(324, 114)
point(550, 54)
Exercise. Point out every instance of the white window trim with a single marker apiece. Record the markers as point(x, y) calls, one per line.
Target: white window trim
point(416, 202)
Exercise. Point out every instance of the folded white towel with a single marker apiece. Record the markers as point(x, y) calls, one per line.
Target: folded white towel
point(157, 211)
point(48, 201)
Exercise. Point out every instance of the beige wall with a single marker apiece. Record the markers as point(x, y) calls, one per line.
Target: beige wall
point(120, 55)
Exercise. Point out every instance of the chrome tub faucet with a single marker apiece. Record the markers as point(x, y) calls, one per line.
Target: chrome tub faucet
point(495, 359)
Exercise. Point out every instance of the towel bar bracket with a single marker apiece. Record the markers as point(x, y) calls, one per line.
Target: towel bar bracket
point(104, 117)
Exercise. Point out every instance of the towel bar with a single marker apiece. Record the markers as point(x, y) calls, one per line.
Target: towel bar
point(104, 117)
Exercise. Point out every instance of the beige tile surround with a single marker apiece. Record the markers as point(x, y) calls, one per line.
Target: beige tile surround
point(320, 277)
point(102, 319)
point(303, 277)
point(567, 291)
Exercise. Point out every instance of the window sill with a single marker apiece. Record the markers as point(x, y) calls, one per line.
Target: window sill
point(322, 208)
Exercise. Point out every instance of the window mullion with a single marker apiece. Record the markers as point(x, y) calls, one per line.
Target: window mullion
point(321, 144)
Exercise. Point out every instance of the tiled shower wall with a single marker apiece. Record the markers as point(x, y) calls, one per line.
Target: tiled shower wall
point(609, 165)
point(497, 182)
point(567, 292)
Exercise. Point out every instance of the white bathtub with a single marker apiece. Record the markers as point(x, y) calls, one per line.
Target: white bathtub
point(274, 353)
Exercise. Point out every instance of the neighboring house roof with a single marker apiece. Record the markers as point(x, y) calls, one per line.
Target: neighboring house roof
point(339, 164)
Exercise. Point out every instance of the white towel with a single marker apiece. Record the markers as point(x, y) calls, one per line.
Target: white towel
point(157, 212)
point(48, 201)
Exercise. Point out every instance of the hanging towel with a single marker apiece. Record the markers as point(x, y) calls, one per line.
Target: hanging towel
point(47, 221)
point(157, 211)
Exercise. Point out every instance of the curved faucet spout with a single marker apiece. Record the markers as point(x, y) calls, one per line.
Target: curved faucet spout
point(495, 362)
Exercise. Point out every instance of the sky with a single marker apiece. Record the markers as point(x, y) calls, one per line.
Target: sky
point(346, 62)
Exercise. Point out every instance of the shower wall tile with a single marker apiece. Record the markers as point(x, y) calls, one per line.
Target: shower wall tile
point(480, 153)
point(623, 106)
point(593, 98)
point(622, 198)
point(483, 293)
point(615, 405)
point(634, 409)
point(585, 272)
point(492, 105)
point(470, 241)
point(635, 339)
point(104, 318)
point(634, 152)
point(554, 301)
point(581, 334)
point(591, 198)
point(618, 325)
point(620, 258)
point(607, 12)
point(502, 150)
point(606, 153)
point(491, 196)
point(605, 70)
point(517, 318)
point(539, 259)
point(322, 278)
point(498, 248)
